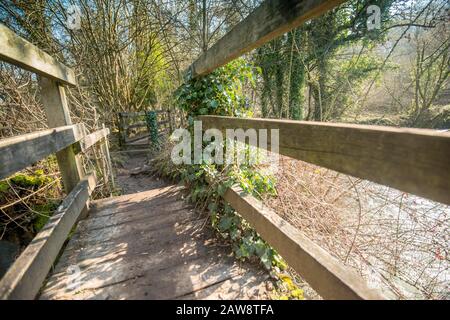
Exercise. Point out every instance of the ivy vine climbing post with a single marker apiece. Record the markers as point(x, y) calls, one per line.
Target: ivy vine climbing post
point(152, 125)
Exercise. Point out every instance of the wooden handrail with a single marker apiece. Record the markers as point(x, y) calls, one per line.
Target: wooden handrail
point(326, 275)
point(138, 124)
point(89, 140)
point(139, 113)
point(270, 20)
point(20, 52)
point(411, 160)
point(124, 118)
point(17, 153)
point(25, 277)
point(134, 139)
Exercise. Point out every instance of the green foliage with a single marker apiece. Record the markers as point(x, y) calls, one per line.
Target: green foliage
point(4, 187)
point(219, 93)
point(43, 213)
point(252, 181)
point(28, 198)
point(152, 125)
point(308, 56)
point(230, 226)
point(36, 179)
point(288, 289)
point(153, 80)
point(349, 77)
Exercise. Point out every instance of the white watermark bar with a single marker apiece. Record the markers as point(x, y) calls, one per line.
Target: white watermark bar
point(211, 147)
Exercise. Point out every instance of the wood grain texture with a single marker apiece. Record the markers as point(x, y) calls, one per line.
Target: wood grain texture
point(105, 148)
point(411, 160)
point(136, 125)
point(330, 278)
point(19, 152)
point(139, 113)
point(25, 277)
point(54, 100)
point(88, 141)
point(18, 51)
point(147, 245)
point(270, 20)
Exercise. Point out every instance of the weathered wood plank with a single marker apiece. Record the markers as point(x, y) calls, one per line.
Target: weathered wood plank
point(161, 123)
point(25, 277)
point(130, 202)
point(89, 255)
point(134, 139)
point(411, 160)
point(88, 141)
point(323, 272)
point(149, 245)
point(241, 287)
point(18, 51)
point(270, 20)
point(19, 152)
point(136, 125)
point(139, 113)
point(54, 100)
point(105, 148)
point(122, 131)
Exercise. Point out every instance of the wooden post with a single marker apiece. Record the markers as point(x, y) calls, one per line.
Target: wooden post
point(105, 147)
point(123, 121)
point(99, 160)
point(54, 100)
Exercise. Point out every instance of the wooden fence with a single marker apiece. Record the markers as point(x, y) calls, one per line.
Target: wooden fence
point(25, 277)
point(136, 121)
point(411, 160)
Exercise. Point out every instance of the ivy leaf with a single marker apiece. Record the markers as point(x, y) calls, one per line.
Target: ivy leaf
point(260, 248)
point(228, 209)
point(213, 104)
point(221, 189)
point(266, 261)
point(225, 223)
point(244, 252)
point(239, 254)
point(212, 207)
point(235, 234)
point(279, 262)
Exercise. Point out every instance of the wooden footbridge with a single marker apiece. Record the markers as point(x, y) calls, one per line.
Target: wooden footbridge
point(151, 244)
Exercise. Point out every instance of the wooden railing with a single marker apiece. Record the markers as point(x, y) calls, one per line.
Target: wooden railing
point(25, 277)
point(136, 120)
point(412, 160)
point(270, 20)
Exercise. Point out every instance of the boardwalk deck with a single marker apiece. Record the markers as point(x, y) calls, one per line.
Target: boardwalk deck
point(149, 245)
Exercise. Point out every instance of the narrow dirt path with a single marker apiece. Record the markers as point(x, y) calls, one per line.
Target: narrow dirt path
point(150, 244)
point(130, 182)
